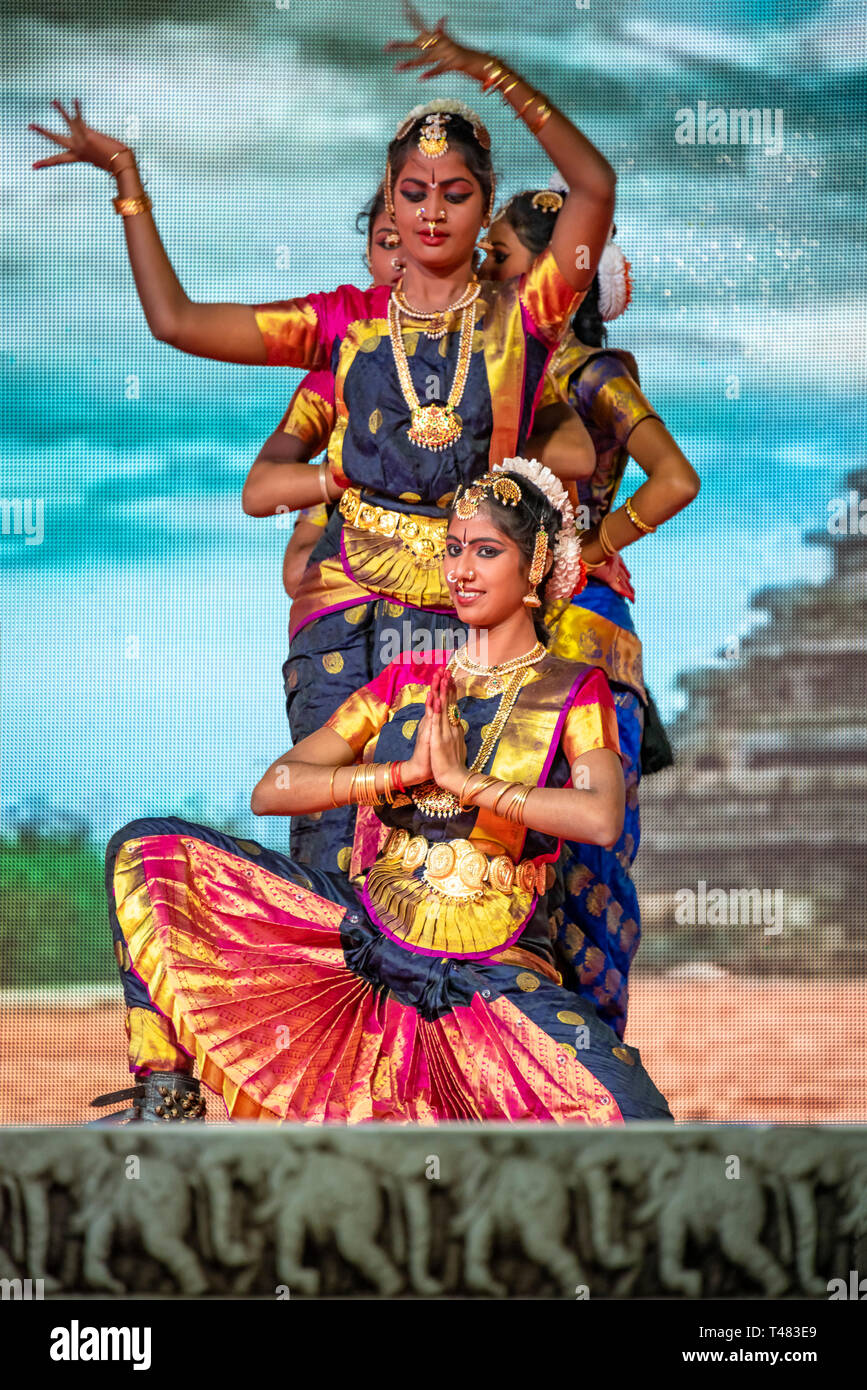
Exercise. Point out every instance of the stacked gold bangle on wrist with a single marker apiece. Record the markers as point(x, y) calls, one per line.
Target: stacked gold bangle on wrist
point(640, 525)
point(388, 783)
point(543, 115)
point(515, 808)
point(364, 775)
point(608, 550)
point(486, 782)
point(497, 73)
point(331, 786)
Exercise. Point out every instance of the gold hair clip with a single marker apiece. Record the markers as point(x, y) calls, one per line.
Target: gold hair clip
point(547, 200)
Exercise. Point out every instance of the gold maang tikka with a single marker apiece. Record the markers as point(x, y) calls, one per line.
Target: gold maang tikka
point(469, 499)
point(432, 140)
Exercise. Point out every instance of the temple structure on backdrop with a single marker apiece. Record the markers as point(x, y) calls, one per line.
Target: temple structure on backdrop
point(754, 843)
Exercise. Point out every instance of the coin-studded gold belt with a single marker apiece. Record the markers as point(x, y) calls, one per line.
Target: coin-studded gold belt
point(423, 536)
point(458, 868)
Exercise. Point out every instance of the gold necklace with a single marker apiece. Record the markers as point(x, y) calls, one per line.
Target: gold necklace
point(433, 426)
point(437, 317)
point(496, 674)
point(435, 800)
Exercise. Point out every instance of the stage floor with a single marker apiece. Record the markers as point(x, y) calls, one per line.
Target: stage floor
point(721, 1051)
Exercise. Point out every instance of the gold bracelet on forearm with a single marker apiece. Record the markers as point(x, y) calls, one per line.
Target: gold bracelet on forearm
point(485, 785)
point(487, 781)
point(130, 207)
point(531, 97)
point(371, 794)
point(331, 784)
point(608, 549)
point(544, 115)
point(323, 483)
point(509, 787)
point(640, 525)
point(388, 788)
point(515, 808)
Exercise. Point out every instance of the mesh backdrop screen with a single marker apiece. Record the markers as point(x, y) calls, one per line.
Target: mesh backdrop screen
point(143, 619)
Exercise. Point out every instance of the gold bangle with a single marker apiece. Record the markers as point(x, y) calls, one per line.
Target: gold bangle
point(506, 90)
point(543, 116)
point(502, 76)
point(117, 154)
point(510, 786)
point(388, 787)
point(375, 796)
point(516, 807)
point(602, 537)
point(513, 810)
point(483, 786)
point(331, 784)
point(364, 785)
point(370, 793)
point(493, 78)
point(130, 207)
point(353, 779)
point(508, 811)
point(519, 114)
point(323, 485)
point(470, 774)
point(636, 519)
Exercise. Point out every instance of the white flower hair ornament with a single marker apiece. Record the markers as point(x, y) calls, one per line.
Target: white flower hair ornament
point(568, 575)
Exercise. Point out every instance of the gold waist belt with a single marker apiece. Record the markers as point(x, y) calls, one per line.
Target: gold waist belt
point(458, 869)
point(422, 536)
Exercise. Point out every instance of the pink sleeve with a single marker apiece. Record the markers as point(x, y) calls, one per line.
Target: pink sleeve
point(302, 332)
point(592, 719)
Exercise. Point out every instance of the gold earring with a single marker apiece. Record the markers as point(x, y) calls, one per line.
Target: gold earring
point(391, 239)
point(537, 568)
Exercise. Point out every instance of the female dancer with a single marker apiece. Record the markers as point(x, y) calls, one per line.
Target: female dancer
point(599, 926)
point(305, 429)
point(432, 384)
point(430, 994)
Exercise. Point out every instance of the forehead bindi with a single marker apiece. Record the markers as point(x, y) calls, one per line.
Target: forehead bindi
point(448, 169)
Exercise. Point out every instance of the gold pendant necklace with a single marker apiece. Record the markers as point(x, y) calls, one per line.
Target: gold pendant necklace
point(433, 426)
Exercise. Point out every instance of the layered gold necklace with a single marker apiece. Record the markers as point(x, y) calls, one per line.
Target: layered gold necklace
point(509, 677)
point(434, 426)
point(496, 674)
point(436, 319)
